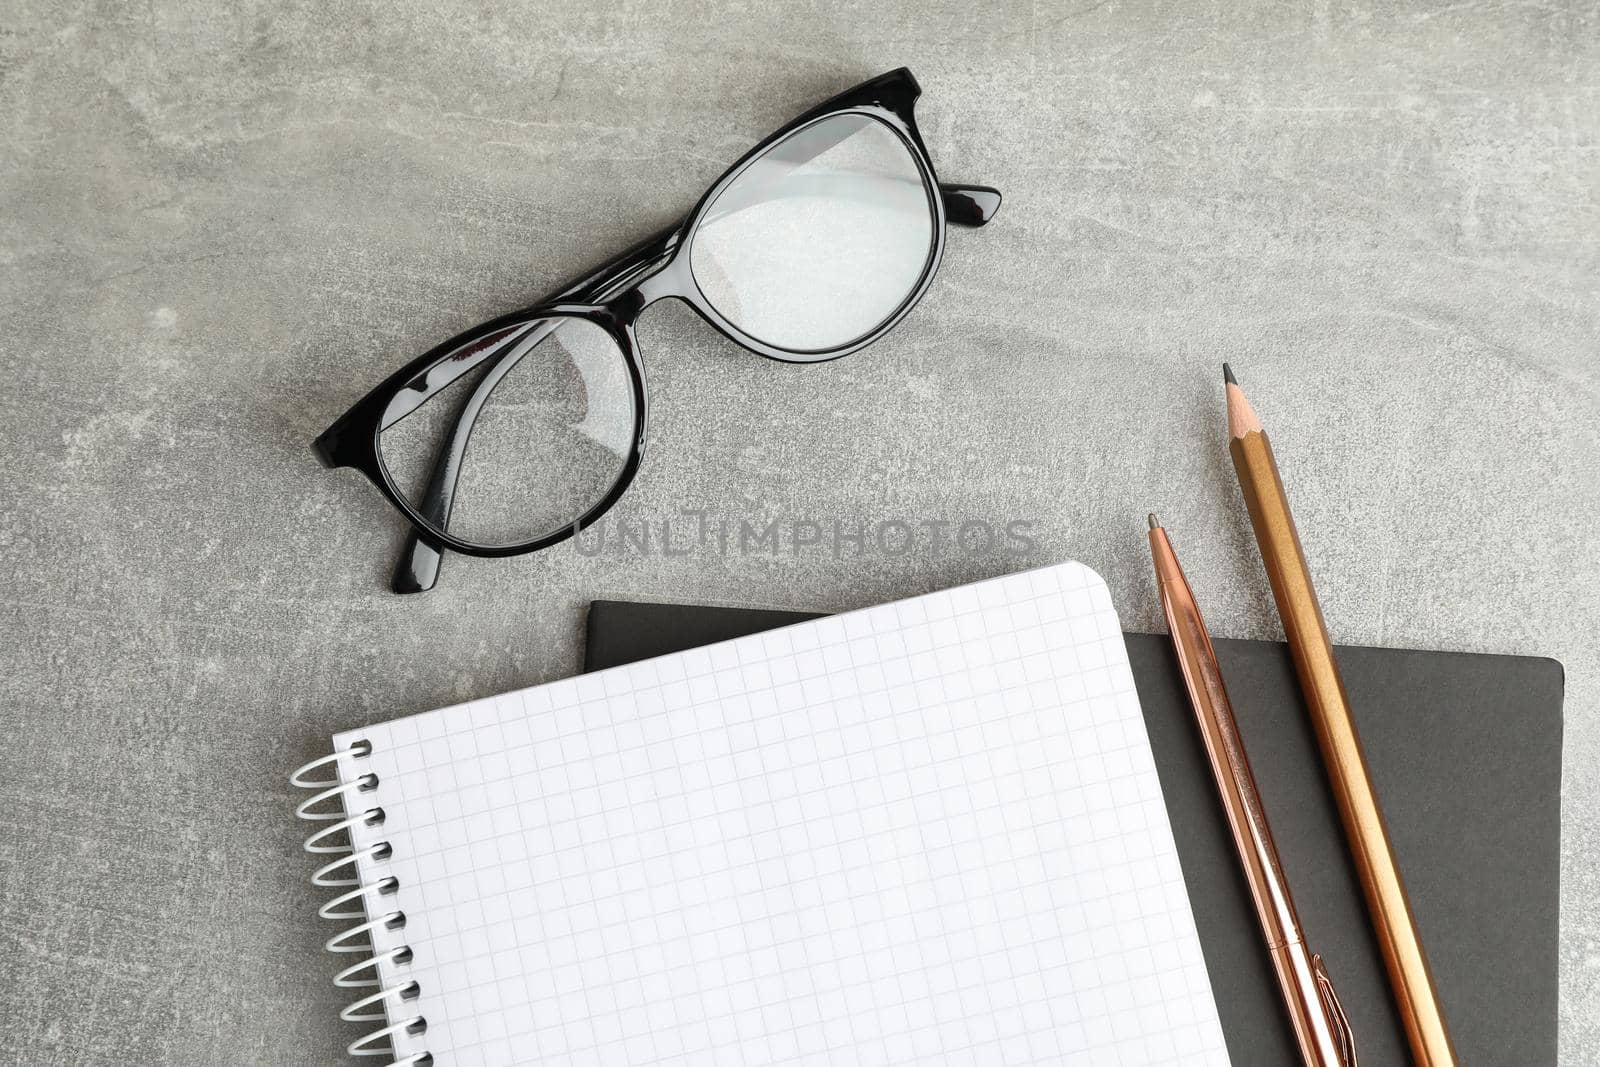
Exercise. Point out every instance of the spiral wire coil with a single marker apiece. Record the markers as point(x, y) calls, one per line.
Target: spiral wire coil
point(331, 805)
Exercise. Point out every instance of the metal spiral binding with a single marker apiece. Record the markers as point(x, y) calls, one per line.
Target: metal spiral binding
point(360, 902)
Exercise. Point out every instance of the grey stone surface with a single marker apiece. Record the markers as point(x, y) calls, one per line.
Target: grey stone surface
point(220, 226)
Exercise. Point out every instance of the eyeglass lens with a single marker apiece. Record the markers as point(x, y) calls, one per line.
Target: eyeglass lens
point(539, 421)
point(819, 239)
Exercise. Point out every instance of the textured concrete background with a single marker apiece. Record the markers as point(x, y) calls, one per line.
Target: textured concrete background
point(219, 228)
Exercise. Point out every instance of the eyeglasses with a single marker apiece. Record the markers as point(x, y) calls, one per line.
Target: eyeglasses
point(517, 434)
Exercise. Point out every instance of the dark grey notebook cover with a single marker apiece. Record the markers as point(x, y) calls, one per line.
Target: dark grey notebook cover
point(1466, 754)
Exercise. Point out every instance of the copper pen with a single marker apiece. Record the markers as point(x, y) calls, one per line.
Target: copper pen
point(1314, 1011)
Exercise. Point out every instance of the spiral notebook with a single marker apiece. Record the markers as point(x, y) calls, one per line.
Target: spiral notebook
point(925, 832)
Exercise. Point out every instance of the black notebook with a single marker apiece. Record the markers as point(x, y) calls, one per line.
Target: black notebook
point(1466, 753)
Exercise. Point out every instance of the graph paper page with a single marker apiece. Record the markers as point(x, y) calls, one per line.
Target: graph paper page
point(929, 832)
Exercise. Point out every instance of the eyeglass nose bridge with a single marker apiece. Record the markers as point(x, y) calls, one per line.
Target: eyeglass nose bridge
point(644, 273)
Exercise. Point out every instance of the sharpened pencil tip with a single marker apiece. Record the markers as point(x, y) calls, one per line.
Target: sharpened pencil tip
point(1155, 523)
point(1227, 375)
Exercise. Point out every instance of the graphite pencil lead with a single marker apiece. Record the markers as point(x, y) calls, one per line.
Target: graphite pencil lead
point(1227, 375)
point(1155, 523)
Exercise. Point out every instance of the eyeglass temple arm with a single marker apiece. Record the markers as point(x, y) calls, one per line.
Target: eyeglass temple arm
point(417, 569)
point(969, 205)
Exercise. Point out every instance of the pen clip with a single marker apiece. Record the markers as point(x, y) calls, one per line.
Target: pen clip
point(1335, 1010)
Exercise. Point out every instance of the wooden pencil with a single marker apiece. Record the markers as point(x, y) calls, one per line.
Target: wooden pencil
point(1368, 839)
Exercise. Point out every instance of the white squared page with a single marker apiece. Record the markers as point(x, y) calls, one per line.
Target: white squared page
point(929, 832)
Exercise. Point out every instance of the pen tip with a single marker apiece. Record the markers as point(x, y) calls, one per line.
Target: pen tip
point(1155, 523)
point(1227, 375)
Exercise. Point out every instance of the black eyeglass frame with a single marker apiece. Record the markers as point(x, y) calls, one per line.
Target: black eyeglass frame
point(612, 297)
